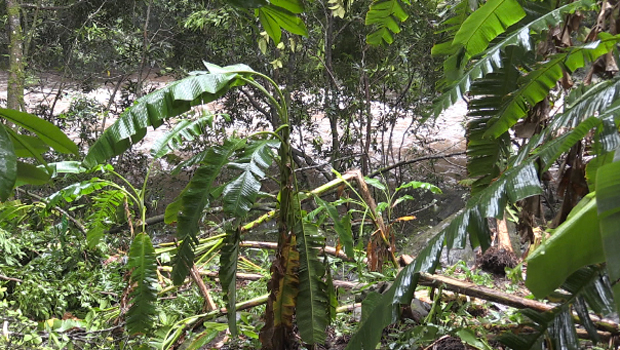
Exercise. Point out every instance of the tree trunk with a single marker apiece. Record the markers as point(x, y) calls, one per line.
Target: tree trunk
point(15, 90)
point(331, 98)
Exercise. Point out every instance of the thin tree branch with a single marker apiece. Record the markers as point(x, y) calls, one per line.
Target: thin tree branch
point(415, 160)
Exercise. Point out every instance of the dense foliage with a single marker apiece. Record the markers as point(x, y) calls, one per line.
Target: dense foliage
point(80, 268)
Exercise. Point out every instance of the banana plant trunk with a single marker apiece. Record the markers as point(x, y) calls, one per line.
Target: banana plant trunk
point(278, 334)
point(15, 89)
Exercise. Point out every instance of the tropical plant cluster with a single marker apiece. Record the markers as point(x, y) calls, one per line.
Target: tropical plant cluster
point(82, 269)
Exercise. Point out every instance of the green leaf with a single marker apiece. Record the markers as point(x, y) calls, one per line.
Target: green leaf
point(240, 194)
point(228, 276)
point(491, 60)
point(141, 314)
point(28, 174)
point(573, 245)
point(194, 199)
point(33, 144)
point(384, 15)
point(270, 25)
point(608, 200)
point(46, 131)
point(375, 183)
point(294, 6)
point(152, 109)
point(486, 23)
point(286, 20)
point(185, 130)
point(313, 311)
point(535, 86)
point(8, 164)
point(204, 338)
point(345, 235)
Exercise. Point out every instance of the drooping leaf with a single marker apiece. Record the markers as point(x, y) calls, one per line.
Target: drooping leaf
point(154, 108)
point(185, 130)
point(194, 199)
point(46, 131)
point(141, 314)
point(487, 157)
point(313, 312)
point(607, 198)
point(8, 164)
point(240, 194)
point(385, 16)
point(486, 23)
point(574, 244)
point(228, 276)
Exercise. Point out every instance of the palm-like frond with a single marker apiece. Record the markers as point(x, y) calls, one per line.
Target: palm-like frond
point(487, 157)
point(313, 311)
point(535, 86)
point(103, 211)
point(585, 102)
point(491, 60)
point(141, 314)
point(384, 15)
point(154, 108)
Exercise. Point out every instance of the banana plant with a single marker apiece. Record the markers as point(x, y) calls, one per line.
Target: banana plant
point(296, 271)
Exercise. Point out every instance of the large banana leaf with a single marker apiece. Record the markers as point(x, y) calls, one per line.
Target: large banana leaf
point(486, 23)
point(385, 15)
point(154, 108)
point(313, 310)
point(491, 60)
point(8, 164)
point(535, 86)
point(608, 199)
point(194, 198)
point(574, 244)
point(141, 314)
